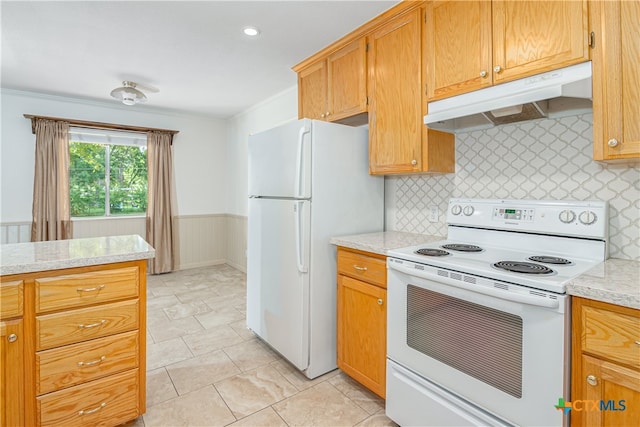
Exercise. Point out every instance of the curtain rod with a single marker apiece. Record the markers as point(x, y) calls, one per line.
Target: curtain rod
point(96, 125)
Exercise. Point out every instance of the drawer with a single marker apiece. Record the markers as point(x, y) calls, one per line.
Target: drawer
point(615, 336)
point(108, 401)
point(11, 299)
point(78, 290)
point(69, 327)
point(78, 363)
point(363, 267)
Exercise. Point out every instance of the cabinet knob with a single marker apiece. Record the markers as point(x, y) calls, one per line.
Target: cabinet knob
point(497, 69)
point(414, 162)
point(612, 142)
point(380, 301)
point(322, 115)
point(592, 380)
point(483, 73)
point(327, 114)
point(12, 338)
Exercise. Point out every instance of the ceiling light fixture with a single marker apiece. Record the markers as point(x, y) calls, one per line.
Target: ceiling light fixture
point(128, 94)
point(251, 31)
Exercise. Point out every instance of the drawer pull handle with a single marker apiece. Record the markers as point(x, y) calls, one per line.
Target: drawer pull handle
point(357, 267)
point(97, 288)
point(637, 342)
point(92, 325)
point(91, 411)
point(93, 362)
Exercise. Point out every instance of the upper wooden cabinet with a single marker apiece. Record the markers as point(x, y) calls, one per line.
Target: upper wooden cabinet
point(480, 43)
point(335, 87)
point(616, 80)
point(312, 91)
point(399, 142)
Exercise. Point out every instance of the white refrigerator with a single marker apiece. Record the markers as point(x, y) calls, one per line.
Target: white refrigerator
point(308, 181)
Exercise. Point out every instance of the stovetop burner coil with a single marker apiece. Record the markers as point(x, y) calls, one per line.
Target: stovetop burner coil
point(523, 267)
point(432, 252)
point(545, 259)
point(461, 247)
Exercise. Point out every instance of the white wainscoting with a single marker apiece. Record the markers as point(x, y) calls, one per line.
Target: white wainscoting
point(237, 242)
point(15, 232)
point(98, 227)
point(201, 240)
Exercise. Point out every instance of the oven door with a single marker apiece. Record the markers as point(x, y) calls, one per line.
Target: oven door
point(496, 345)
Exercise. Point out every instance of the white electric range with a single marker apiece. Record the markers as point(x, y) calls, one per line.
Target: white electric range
point(478, 324)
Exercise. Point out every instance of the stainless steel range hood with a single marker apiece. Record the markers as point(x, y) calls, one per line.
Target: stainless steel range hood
point(553, 94)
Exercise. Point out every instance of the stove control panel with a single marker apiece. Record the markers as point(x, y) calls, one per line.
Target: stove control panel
point(526, 215)
point(555, 217)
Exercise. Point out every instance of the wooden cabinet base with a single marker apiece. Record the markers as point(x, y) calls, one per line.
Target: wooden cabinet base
point(362, 318)
point(605, 364)
point(109, 401)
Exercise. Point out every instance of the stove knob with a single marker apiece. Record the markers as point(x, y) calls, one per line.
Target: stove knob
point(587, 217)
point(456, 209)
point(567, 216)
point(468, 210)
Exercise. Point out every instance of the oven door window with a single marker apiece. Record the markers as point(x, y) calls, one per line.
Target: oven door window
point(480, 341)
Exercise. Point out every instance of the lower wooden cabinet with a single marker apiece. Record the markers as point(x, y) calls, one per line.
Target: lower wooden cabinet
point(12, 347)
point(80, 355)
point(362, 318)
point(605, 364)
point(11, 373)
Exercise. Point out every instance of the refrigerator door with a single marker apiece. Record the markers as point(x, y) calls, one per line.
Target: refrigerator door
point(277, 278)
point(280, 161)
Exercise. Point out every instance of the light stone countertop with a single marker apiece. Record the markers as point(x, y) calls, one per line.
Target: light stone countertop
point(616, 281)
point(381, 243)
point(20, 258)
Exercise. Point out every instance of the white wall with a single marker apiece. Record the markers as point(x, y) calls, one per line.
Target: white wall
point(278, 109)
point(200, 159)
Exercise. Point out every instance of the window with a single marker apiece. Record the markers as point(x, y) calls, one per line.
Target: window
point(107, 172)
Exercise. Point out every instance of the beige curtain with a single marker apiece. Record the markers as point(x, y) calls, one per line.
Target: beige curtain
point(159, 215)
point(51, 205)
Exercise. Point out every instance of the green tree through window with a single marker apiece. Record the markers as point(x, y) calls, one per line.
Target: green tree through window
point(107, 179)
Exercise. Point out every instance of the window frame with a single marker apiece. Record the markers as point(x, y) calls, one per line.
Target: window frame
point(108, 139)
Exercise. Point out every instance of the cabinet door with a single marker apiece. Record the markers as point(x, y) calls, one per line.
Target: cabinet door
point(616, 386)
point(458, 47)
point(347, 81)
point(312, 91)
point(395, 81)
point(11, 373)
point(531, 37)
point(616, 81)
point(362, 332)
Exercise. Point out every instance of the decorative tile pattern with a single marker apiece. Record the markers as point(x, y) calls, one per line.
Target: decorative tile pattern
point(539, 159)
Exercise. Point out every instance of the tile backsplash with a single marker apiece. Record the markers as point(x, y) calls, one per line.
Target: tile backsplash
point(541, 159)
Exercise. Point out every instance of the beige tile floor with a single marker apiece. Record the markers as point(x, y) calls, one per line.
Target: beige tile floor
point(204, 368)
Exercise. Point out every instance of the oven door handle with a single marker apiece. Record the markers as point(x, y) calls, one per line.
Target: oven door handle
point(497, 293)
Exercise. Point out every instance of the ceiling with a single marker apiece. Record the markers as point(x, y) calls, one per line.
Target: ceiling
point(193, 52)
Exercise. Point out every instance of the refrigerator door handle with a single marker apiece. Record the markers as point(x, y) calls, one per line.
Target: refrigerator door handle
point(298, 207)
point(299, 167)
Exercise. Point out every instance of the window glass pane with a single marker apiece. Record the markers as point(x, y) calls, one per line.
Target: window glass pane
point(128, 180)
point(87, 179)
point(107, 179)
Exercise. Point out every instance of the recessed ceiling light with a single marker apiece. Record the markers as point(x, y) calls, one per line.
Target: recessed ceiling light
point(251, 31)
